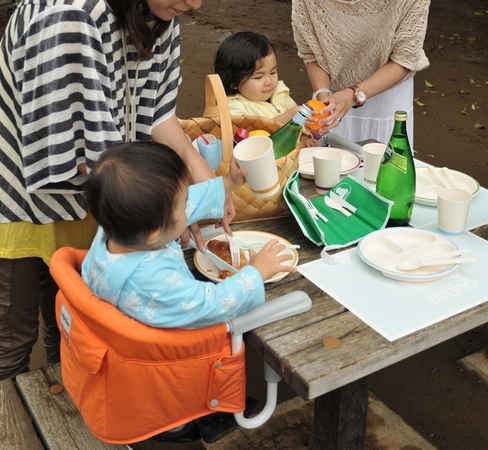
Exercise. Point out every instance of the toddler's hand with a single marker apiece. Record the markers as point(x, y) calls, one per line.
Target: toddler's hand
point(235, 178)
point(267, 261)
point(306, 141)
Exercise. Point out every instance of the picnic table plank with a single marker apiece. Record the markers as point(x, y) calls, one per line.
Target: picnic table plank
point(56, 417)
point(312, 369)
point(17, 430)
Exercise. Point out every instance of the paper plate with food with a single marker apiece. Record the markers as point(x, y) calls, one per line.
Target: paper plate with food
point(246, 239)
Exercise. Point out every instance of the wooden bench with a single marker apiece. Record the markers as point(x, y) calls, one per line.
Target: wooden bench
point(36, 418)
point(16, 430)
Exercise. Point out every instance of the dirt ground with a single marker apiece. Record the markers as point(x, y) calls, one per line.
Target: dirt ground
point(430, 391)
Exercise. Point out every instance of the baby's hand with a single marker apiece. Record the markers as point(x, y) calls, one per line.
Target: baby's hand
point(267, 261)
point(235, 178)
point(306, 141)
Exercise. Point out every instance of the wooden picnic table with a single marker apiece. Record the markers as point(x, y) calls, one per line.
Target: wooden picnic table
point(337, 378)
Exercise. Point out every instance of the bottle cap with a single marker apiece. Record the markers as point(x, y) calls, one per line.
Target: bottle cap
point(258, 133)
point(240, 135)
point(401, 116)
point(306, 110)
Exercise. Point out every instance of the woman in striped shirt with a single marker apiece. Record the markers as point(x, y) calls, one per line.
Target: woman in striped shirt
point(76, 77)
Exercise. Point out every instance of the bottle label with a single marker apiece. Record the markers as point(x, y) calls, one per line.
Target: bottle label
point(396, 160)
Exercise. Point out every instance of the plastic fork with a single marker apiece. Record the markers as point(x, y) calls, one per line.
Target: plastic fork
point(315, 212)
point(235, 252)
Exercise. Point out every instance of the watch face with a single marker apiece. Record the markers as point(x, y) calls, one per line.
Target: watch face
point(361, 96)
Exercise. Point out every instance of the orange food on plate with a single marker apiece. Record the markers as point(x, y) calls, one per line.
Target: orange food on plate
point(221, 249)
point(318, 106)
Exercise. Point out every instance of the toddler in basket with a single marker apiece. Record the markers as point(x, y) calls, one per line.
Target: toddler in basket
point(246, 64)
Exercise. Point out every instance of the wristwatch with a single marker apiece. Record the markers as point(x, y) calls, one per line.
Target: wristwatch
point(359, 96)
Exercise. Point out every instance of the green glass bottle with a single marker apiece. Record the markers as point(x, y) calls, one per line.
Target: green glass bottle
point(396, 176)
point(285, 138)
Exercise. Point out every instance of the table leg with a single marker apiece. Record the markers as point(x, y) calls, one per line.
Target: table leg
point(340, 417)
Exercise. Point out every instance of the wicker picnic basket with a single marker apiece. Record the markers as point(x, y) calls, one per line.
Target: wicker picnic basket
point(217, 120)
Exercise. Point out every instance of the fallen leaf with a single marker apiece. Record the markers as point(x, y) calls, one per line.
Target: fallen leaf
point(478, 13)
point(420, 103)
point(429, 85)
point(463, 111)
point(472, 81)
point(431, 156)
point(473, 106)
point(479, 125)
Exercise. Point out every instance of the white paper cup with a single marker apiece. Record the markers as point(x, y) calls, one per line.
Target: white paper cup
point(255, 154)
point(326, 168)
point(372, 156)
point(452, 211)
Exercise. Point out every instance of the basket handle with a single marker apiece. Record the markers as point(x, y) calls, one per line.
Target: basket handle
point(216, 106)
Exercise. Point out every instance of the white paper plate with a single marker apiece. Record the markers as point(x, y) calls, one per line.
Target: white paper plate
point(427, 184)
point(350, 162)
point(208, 268)
point(384, 249)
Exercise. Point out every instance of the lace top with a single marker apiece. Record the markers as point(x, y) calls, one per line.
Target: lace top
point(350, 40)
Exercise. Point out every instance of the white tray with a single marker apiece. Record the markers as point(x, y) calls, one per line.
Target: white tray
point(384, 249)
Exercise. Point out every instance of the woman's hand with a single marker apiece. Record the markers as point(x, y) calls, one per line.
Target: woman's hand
point(339, 104)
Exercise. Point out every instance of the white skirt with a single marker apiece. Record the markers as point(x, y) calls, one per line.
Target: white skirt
point(375, 119)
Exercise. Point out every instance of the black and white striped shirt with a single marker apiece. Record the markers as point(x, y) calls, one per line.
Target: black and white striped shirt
point(62, 90)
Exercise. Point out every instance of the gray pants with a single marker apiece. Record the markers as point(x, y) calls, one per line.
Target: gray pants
point(26, 289)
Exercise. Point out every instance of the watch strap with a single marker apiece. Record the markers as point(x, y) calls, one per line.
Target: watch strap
point(355, 89)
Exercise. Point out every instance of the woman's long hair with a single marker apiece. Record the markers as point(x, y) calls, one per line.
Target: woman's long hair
point(142, 26)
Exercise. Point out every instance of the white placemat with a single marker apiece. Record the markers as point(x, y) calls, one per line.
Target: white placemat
point(396, 308)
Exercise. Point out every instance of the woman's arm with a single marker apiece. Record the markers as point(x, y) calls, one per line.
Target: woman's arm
point(169, 132)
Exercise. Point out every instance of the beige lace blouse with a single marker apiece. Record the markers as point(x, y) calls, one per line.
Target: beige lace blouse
point(350, 40)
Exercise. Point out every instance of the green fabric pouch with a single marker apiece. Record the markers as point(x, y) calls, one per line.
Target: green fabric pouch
point(372, 213)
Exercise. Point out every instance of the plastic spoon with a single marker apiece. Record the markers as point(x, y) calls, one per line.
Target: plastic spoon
point(439, 178)
point(449, 175)
point(413, 264)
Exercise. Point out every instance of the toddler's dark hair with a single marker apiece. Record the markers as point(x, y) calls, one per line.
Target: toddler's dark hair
point(132, 190)
point(236, 57)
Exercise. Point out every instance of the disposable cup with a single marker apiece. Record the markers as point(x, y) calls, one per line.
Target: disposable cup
point(255, 154)
point(211, 152)
point(327, 168)
point(372, 155)
point(452, 211)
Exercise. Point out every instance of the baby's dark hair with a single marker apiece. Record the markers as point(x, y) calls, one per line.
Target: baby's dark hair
point(236, 57)
point(132, 190)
